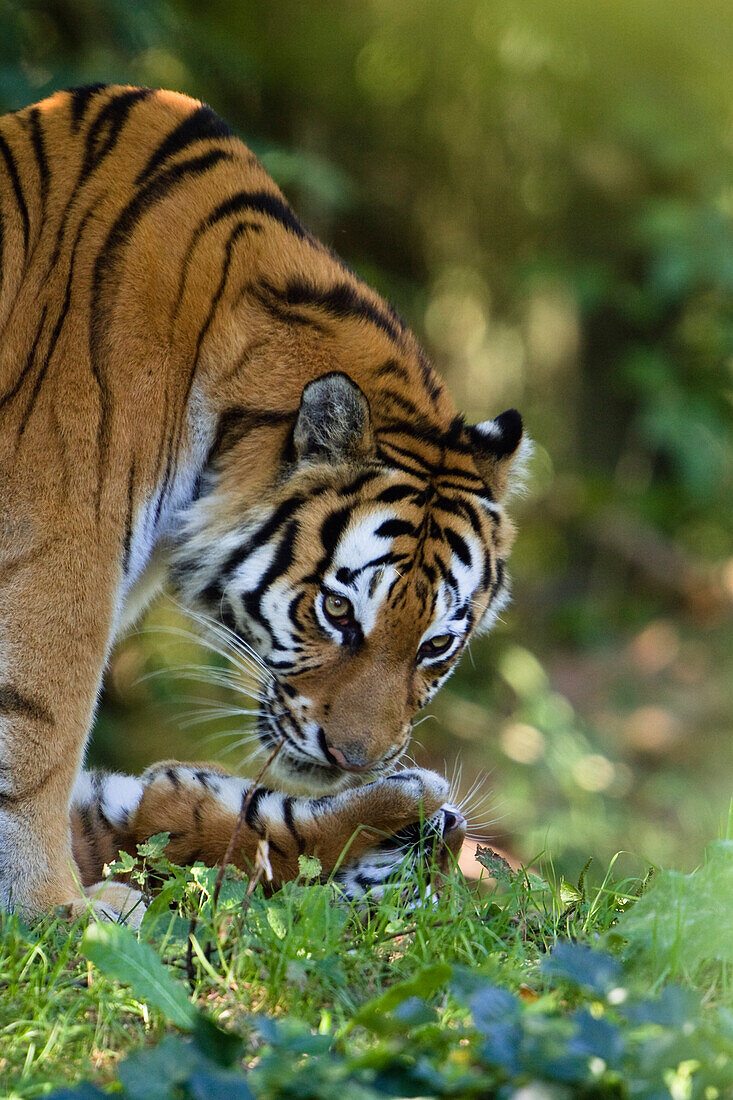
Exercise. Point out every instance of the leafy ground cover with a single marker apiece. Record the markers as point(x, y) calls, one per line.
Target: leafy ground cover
point(532, 987)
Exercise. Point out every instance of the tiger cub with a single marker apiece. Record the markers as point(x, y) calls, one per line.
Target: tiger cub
point(199, 806)
point(194, 388)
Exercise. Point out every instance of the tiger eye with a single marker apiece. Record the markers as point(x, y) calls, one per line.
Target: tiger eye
point(338, 609)
point(437, 645)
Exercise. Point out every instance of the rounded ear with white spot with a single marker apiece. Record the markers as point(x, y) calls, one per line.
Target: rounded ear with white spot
point(501, 451)
point(334, 422)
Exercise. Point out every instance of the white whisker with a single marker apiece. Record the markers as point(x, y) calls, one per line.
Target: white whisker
point(409, 760)
point(220, 735)
point(186, 721)
point(238, 743)
point(455, 780)
point(232, 658)
point(228, 636)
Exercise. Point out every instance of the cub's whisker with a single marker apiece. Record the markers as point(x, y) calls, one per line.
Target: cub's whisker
point(455, 779)
point(184, 672)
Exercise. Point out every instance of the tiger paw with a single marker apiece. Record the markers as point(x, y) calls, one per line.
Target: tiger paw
point(431, 842)
point(109, 901)
point(401, 799)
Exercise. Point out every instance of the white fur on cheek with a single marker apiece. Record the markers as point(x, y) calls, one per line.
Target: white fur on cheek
point(275, 606)
point(251, 572)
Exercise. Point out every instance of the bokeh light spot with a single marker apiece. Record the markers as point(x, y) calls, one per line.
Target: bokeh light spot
point(522, 743)
point(594, 772)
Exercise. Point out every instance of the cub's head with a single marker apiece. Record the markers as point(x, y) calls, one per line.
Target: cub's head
point(361, 579)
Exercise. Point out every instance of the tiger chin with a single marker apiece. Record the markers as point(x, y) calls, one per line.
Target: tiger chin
point(193, 389)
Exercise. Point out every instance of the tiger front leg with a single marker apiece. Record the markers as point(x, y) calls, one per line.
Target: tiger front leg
point(56, 602)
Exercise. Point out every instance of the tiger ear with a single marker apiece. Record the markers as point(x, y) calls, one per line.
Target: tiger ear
point(334, 423)
point(501, 451)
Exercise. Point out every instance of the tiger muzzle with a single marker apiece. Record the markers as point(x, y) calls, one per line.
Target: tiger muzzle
point(347, 763)
point(353, 757)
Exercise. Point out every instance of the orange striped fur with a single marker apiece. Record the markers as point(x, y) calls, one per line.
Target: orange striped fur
point(193, 387)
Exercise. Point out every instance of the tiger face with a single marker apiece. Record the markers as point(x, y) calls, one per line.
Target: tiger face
point(361, 581)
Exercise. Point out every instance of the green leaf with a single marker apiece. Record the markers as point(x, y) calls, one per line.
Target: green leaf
point(154, 846)
point(123, 865)
point(424, 983)
point(569, 894)
point(223, 1048)
point(160, 906)
point(277, 921)
point(219, 1085)
point(495, 864)
point(309, 867)
point(120, 955)
point(156, 1073)
point(685, 920)
point(582, 966)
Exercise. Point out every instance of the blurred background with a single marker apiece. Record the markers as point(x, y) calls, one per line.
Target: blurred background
point(545, 192)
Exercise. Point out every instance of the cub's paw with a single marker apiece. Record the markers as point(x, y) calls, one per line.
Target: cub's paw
point(404, 798)
point(396, 859)
point(109, 901)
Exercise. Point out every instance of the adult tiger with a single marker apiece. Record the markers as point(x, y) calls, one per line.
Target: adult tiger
point(191, 385)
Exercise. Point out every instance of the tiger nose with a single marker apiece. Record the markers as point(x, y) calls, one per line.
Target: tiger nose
point(346, 763)
point(353, 759)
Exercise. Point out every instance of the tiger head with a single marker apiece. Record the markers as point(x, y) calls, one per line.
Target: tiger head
point(360, 581)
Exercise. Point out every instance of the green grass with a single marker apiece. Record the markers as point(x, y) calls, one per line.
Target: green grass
point(459, 997)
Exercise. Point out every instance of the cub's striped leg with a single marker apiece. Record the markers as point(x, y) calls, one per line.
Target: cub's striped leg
point(366, 831)
point(102, 804)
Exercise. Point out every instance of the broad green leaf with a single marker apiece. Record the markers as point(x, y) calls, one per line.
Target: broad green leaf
point(157, 1073)
point(277, 921)
point(120, 955)
point(684, 920)
point(223, 1048)
point(582, 966)
point(495, 864)
point(425, 982)
point(154, 846)
point(309, 867)
point(160, 907)
point(490, 1005)
point(569, 894)
point(218, 1085)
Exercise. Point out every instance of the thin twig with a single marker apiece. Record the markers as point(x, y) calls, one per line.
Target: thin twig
point(414, 928)
point(240, 822)
point(262, 870)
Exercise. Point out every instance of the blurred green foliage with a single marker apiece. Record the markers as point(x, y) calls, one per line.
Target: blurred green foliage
point(545, 191)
